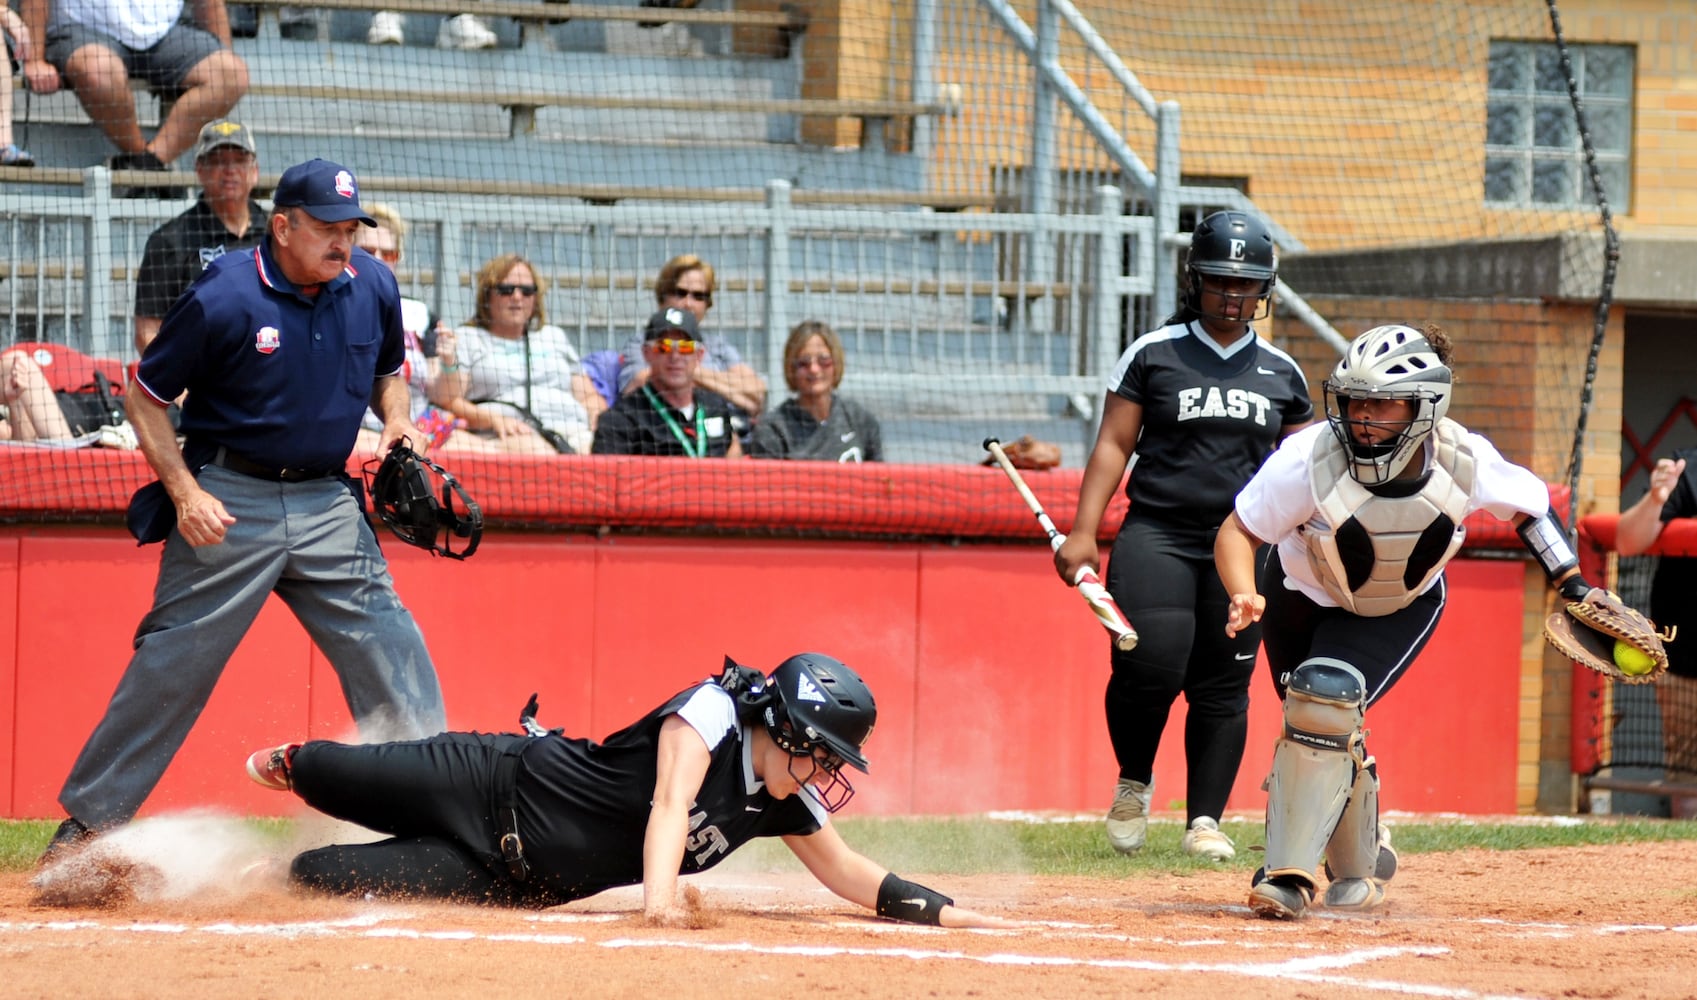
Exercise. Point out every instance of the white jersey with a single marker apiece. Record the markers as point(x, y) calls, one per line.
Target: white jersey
point(1279, 505)
point(138, 24)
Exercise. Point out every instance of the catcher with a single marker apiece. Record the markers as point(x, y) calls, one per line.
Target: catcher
point(1365, 512)
point(539, 819)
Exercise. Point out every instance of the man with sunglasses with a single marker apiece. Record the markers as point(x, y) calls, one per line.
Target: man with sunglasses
point(687, 282)
point(224, 218)
point(541, 819)
point(669, 414)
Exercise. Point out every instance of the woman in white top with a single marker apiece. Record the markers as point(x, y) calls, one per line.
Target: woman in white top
point(516, 379)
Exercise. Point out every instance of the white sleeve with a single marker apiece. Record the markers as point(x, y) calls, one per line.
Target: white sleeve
point(1502, 488)
point(710, 712)
point(1279, 500)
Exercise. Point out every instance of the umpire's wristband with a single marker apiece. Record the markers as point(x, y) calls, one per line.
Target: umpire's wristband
point(900, 899)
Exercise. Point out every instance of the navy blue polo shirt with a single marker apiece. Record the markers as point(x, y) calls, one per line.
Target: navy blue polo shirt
point(278, 377)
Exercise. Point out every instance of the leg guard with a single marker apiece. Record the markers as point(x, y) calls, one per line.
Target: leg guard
point(1359, 859)
point(1314, 765)
point(1353, 851)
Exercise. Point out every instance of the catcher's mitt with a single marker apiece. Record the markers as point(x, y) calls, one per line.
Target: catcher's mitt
point(400, 492)
point(1030, 454)
point(1586, 631)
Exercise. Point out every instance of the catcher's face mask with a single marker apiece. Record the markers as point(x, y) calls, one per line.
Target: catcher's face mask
point(401, 494)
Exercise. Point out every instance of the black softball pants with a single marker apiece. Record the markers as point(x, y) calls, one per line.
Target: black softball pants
point(1162, 576)
point(434, 797)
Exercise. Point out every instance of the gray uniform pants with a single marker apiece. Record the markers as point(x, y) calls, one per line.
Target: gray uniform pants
point(308, 543)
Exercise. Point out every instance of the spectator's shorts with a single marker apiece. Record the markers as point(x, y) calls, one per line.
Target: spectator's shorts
point(162, 67)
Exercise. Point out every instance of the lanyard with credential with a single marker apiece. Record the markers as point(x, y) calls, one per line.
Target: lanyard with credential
point(699, 450)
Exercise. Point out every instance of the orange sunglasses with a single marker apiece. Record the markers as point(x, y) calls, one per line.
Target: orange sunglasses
point(684, 345)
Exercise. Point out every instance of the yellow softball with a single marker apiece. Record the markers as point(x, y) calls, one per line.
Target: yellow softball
point(1633, 661)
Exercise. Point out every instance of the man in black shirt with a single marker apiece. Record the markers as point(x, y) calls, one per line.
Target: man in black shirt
point(224, 218)
point(670, 414)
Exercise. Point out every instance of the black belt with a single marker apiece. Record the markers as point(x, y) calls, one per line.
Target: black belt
point(507, 817)
point(227, 459)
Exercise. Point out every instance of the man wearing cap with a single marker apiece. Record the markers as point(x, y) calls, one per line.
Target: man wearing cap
point(280, 348)
point(224, 218)
point(669, 414)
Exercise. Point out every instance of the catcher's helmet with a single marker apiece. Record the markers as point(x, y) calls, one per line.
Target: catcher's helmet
point(1231, 245)
point(401, 493)
point(821, 702)
point(1387, 362)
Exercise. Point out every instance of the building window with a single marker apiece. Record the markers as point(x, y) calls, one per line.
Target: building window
point(1533, 156)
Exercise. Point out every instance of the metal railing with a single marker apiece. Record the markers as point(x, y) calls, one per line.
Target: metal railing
point(922, 299)
point(1097, 149)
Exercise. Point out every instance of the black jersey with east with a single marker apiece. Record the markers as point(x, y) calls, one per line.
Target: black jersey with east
point(1211, 416)
point(584, 805)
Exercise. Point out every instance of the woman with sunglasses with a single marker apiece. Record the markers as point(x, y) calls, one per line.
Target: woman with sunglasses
point(517, 379)
point(816, 423)
point(687, 282)
point(539, 819)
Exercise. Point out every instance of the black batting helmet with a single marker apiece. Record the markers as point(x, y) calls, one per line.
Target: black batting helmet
point(1231, 245)
point(821, 702)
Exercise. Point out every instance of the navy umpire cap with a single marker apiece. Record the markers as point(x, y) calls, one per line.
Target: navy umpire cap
point(327, 191)
point(669, 320)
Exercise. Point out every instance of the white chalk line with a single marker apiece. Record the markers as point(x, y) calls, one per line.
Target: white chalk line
point(1321, 969)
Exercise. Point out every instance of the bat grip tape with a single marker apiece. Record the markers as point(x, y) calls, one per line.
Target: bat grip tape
point(899, 899)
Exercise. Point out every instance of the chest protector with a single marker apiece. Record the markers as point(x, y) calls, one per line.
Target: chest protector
point(1379, 553)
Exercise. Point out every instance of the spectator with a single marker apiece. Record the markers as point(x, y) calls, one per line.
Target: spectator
point(258, 499)
point(463, 31)
point(224, 218)
point(817, 423)
point(669, 414)
point(1673, 602)
point(1166, 400)
point(430, 344)
point(1364, 512)
point(516, 378)
point(687, 282)
point(20, 49)
point(32, 408)
point(97, 45)
point(716, 766)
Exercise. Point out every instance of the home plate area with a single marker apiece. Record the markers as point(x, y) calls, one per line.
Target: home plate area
point(1465, 924)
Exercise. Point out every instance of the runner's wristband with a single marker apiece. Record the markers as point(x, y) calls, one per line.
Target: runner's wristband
point(900, 899)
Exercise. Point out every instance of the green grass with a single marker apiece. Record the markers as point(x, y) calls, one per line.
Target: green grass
point(977, 845)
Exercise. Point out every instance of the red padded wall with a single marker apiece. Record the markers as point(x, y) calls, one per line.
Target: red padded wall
point(989, 675)
point(8, 669)
point(80, 597)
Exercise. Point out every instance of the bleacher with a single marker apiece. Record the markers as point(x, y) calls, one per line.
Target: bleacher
point(573, 84)
point(601, 139)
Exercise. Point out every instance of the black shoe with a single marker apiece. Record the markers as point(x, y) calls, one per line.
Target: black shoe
point(671, 4)
point(302, 30)
point(144, 160)
point(70, 835)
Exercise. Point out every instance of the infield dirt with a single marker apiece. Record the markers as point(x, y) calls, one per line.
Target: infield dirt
point(1616, 922)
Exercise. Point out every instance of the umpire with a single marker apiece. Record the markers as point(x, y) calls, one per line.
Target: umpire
point(281, 349)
